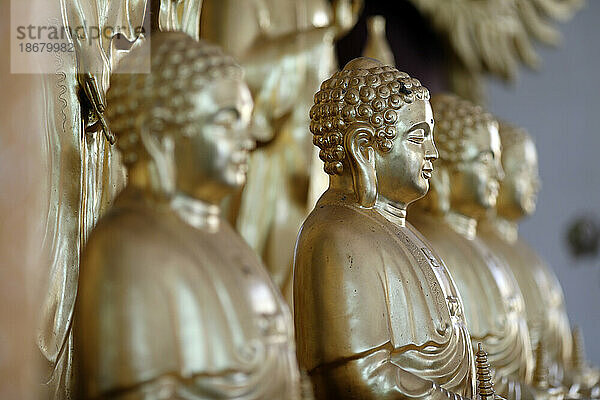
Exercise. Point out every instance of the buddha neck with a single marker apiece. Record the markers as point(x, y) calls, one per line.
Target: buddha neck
point(462, 224)
point(507, 229)
point(393, 212)
point(197, 213)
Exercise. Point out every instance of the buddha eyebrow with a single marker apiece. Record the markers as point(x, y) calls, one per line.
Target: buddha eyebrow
point(420, 125)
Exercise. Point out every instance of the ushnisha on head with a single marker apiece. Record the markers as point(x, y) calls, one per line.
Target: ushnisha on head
point(375, 123)
point(183, 126)
point(521, 184)
point(469, 164)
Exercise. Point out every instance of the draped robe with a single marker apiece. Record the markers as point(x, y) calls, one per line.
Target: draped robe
point(375, 308)
point(544, 301)
point(167, 306)
point(494, 305)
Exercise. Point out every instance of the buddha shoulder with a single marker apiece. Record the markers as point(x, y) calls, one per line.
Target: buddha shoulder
point(339, 223)
point(128, 239)
point(338, 234)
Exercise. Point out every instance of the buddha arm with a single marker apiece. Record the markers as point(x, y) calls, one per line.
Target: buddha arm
point(375, 376)
point(343, 322)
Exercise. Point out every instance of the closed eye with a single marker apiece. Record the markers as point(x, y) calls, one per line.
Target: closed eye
point(226, 117)
point(417, 136)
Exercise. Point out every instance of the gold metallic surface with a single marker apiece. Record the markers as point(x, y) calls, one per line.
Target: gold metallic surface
point(172, 302)
point(493, 36)
point(583, 378)
point(377, 314)
point(84, 170)
point(485, 386)
point(178, 15)
point(81, 182)
point(464, 187)
point(377, 46)
point(540, 383)
point(544, 301)
point(286, 49)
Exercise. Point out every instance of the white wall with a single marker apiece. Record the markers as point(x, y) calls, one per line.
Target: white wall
point(560, 106)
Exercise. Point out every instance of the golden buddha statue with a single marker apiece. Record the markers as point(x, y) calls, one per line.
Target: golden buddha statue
point(286, 48)
point(377, 314)
point(544, 302)
point(464, 187)
point(172, 302)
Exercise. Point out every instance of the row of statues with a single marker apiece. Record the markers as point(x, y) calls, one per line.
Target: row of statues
point(171, 302)
point(408, 263)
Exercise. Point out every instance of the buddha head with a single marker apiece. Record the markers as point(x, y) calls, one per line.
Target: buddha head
point(519, 189)
point(183, 127)
point(374, 126)
point(469, 166)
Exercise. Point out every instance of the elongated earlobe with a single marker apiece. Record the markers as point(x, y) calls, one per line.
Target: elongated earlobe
point(361, 157)
point(162, 167)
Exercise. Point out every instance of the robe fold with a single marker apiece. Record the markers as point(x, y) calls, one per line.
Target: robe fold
point(494, 305)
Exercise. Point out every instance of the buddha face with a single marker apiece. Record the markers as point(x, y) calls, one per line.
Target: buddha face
point(403, 173)
point(211, 161)
point(519, 189)
point(474, 181)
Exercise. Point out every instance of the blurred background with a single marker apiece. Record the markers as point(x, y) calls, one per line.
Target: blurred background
point(560, 106)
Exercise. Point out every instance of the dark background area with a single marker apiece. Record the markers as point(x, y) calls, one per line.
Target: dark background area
point(417, 48)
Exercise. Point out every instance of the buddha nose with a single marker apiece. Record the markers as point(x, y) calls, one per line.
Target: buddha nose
point(248, 145)
point(431, 151)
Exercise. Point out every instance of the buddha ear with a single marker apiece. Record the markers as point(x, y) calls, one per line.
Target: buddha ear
point(160, 149)
point(361, 157)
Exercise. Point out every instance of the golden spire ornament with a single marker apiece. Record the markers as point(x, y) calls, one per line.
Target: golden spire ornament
point(542, 387)
point(582, 376)
point(485, 385)
point(577, 355)
point(540, 372)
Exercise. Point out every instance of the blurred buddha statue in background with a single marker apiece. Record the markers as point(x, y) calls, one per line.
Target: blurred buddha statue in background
point(464, 188)
point(84, 169)
point(286, 48)
point(172, 302)
point(544, 302)
point(377, 314)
